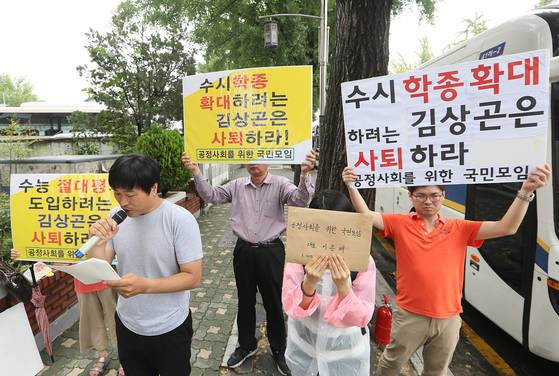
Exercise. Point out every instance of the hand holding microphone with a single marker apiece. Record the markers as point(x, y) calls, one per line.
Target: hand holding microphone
point(102, 231)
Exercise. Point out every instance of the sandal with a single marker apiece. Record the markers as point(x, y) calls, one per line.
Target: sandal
point(120, 371)
point(98, 368)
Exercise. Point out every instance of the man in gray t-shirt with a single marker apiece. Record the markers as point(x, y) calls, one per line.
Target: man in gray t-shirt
point(159, 254)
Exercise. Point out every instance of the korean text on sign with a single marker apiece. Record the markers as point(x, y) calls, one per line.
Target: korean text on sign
point(311, 232)
point(258, 114)
point(476, 122)
point(51, 213)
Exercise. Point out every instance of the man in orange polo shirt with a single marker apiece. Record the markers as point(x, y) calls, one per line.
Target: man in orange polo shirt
point(430, 254)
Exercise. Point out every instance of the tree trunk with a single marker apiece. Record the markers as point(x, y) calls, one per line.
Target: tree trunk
point(360, 51)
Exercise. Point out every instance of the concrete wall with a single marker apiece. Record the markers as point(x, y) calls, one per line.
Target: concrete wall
point(217, 174)
point(62, 144)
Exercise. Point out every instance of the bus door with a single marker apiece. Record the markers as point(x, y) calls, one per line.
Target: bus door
point(384, 200)
point(402, 203)
point(498, 276)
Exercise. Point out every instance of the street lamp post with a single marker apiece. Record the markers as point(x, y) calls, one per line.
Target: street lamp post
point(271, 41)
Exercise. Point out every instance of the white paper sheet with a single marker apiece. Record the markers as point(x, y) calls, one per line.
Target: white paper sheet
point(90, 271)
point(42, 270)
point(18, 351)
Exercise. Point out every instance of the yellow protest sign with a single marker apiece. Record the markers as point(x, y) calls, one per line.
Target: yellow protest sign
point(51, 213)
point(256, 115)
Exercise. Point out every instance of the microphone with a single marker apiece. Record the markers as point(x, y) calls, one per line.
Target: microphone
point(118, 217)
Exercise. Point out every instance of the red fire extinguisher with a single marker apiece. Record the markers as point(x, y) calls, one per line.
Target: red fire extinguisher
point(383, 325)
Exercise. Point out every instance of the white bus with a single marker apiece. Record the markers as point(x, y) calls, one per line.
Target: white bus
point(513, 281)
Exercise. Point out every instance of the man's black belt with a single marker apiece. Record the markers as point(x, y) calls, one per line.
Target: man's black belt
point(268, 243)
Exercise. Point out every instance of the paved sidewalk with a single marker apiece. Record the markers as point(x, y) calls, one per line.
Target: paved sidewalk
point(213, 305)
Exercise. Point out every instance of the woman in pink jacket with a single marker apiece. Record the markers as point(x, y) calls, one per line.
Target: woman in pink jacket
point(328, 308)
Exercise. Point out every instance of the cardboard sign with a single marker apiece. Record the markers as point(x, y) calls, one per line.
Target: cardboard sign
point(477, 122)
point(255, 115)
point(313, 231)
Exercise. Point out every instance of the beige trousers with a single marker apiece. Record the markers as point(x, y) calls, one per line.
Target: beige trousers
point(411, 331)
point(97, 319)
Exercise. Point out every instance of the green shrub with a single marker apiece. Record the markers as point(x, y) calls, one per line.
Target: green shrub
point(83, 146)
point(5, 228)
point(165, 146)
point(115, 128)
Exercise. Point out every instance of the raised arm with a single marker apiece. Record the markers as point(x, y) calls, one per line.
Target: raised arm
point(354, 303)
point(509, 224)
point(301, 195)
point(215, 195)
point(348, 176)
point(298, 292)
point(105, 229)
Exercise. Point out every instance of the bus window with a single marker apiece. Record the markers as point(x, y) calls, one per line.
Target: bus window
point(508, 256)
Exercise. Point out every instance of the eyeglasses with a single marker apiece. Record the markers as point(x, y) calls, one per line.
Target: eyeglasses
point(434, 197)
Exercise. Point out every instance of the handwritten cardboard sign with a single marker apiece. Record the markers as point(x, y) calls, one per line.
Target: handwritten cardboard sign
point(314, 231)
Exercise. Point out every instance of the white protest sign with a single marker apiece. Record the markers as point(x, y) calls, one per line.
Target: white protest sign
point(477, 122)
point(18, 351)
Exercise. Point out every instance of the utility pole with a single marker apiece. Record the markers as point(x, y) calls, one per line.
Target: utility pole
point(271, 41)
point(323, 63)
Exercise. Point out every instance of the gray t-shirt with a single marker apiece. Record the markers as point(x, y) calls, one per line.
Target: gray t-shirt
point(153, 246)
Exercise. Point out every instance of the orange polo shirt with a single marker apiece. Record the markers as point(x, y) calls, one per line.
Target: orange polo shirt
point(82, 288)
point(430, 266)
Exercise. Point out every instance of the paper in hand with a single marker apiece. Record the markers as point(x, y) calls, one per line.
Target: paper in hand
point(90, 271)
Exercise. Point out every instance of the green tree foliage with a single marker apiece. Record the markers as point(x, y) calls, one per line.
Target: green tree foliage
point(426, 8)
point(425, 51)
point(82, 128)
point(115, 129)
point(165, 146)
point(5, 229)
point(15, 144)
point(543, 3)
point(232, 34)
point(360, 51)
point(401, 65)
point(424, 54)
point(138, 66)
point(5, 223)
point(472, 27)
point(15, 91)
